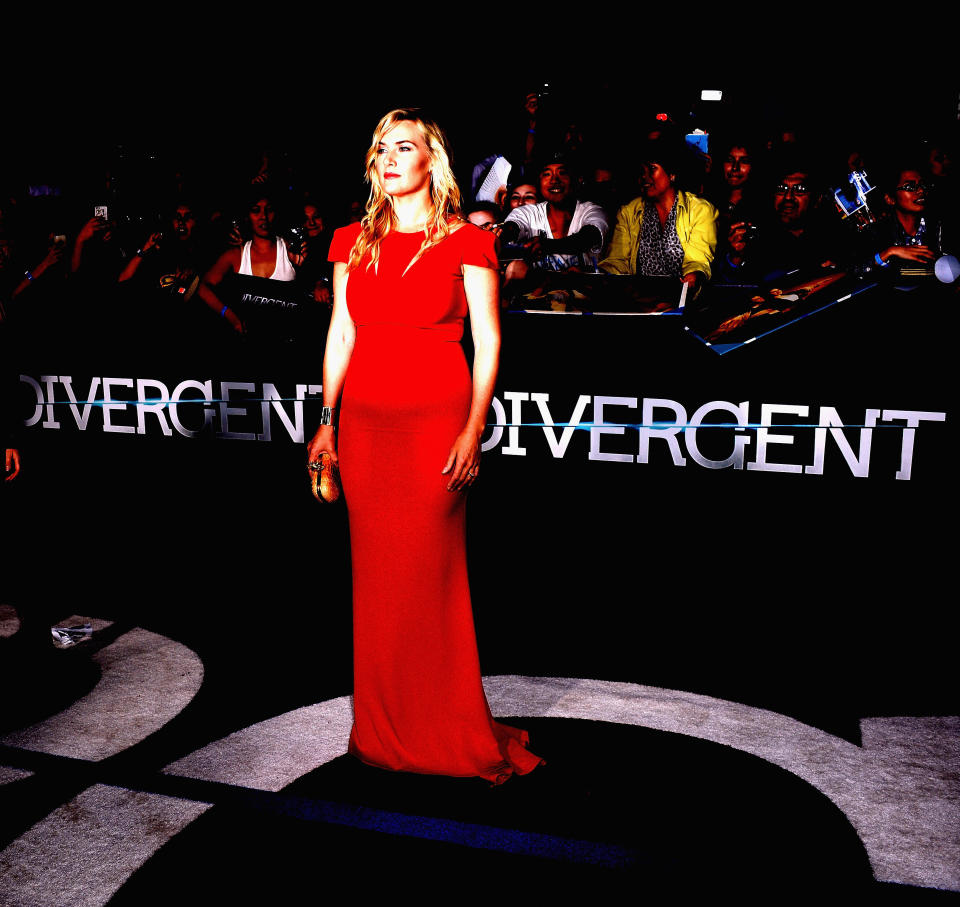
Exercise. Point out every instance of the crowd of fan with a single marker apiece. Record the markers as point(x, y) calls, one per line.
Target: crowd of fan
point(751, 208)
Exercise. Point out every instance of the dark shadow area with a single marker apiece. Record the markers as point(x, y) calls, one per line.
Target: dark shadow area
point(656, 811)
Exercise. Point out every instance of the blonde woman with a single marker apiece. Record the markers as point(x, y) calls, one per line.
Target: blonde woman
point(408, 449)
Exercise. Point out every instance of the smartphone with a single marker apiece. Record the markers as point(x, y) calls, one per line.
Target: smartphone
point(100, 211)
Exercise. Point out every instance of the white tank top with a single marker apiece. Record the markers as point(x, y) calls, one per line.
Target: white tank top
point(283, 270)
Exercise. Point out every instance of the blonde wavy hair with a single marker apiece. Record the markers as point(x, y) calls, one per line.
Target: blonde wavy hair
point(380, 218)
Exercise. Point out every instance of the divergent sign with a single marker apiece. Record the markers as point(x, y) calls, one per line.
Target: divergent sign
point(805, 437)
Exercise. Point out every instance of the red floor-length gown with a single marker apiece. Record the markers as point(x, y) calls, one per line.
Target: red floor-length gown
point(419, 705)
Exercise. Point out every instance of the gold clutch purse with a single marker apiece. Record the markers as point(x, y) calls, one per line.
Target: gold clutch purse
point(324, 479)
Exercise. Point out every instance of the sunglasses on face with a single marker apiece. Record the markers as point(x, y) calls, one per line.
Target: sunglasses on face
point(797, 190)
point(912, 186)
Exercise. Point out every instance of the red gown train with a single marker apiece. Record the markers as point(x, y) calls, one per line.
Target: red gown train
point(419, 705)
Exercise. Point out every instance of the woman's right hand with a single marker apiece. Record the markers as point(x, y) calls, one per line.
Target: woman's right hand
point(233, 319)
point(153, 241)
point(54, 254)
point(909, 253)
point(737, 237)
point(324, 441)
point(234, 237)
point(93, 227)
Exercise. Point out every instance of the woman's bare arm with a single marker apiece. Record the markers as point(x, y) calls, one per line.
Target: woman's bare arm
point(482, 288)
point(340, 340)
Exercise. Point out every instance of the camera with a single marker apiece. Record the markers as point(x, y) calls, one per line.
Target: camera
point(296, 238)
point(852, 200)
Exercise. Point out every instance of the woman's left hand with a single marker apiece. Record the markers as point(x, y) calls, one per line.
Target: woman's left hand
point(463, 463)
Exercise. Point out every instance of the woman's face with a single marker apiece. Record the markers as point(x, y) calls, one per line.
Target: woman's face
point(655, 182)
point(524, 194)
point(736, 166)
point(183, 222)
point(403, 164)
point(910, 195)
point(482, 219)
point(312, 221)
point(262, 216)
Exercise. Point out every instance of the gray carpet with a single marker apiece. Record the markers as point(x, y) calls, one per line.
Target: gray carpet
point(900, 790)
point(146, 680)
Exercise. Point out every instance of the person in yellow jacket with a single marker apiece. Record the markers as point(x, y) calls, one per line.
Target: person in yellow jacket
point(666, 231)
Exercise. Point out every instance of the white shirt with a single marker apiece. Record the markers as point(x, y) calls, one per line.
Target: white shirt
point(283, 270)
point(532, 219)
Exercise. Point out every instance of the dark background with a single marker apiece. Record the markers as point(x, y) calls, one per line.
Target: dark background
point(821, 597)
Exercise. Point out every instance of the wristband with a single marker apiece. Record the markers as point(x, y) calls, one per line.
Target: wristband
point(880, 261)
point(28, 275)
point(223, 311)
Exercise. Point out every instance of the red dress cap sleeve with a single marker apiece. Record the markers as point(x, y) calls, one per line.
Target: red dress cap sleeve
point(479, 247)
point(342, 243)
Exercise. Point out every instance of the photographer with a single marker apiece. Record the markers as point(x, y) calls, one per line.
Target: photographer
point(93, 249)
point(169, 259)
point(789, 238)
point(163, 274)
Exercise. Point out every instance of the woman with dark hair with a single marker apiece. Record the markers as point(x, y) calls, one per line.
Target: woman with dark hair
point(173, 254)
point(485, 215)
point(408, 449)
point(908, 237)
point(665, 231)
point(316, 271)
point(735, 181)
point(520, 194)
point(264, 255)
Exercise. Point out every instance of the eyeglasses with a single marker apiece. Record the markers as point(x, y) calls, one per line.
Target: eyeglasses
point(912, 186)
point(799, 189)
